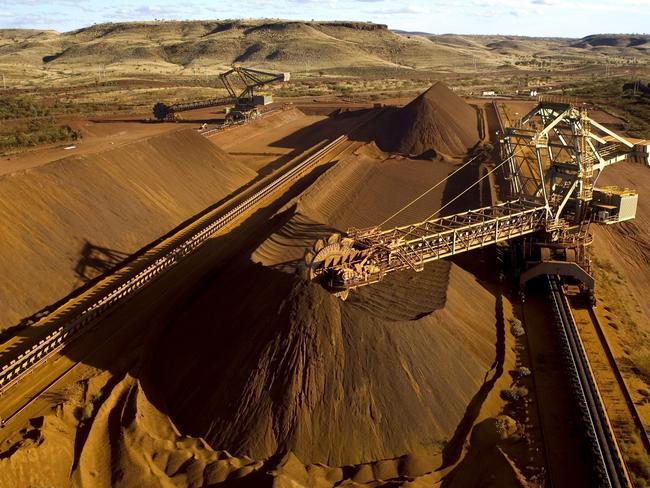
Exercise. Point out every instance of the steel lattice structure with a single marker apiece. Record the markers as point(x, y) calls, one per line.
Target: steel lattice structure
point(365, 256)
point(555, 154)
point(244, 101)
point(552, 159)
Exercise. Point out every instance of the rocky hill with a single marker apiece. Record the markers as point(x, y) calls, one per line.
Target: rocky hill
point(178, 46)
point(191, 47)
point(618, 41)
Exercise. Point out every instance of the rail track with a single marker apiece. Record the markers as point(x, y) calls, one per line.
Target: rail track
point(609, 466)
point(608, 413)
point(625, 420)
point(81, 312)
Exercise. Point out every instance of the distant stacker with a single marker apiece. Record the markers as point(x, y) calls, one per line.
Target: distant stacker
point(245, 105)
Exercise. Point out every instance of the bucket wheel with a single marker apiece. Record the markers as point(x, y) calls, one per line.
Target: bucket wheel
point(334, 250)
point(343, 295)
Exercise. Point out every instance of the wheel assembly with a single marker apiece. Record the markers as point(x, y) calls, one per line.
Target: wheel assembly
point(325, 253)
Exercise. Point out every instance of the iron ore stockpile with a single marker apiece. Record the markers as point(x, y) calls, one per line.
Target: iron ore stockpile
point(257, 376)
point(438, 123)
point(331, 365)
point(84, 212)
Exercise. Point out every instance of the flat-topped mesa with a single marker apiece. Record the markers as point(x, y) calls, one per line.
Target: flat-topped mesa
point(369, 26)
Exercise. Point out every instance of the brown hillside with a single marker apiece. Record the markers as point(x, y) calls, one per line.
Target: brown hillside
point(438, 122)
point(65, 221)
point(639, 42)
point(211, 46)
point(174, 46)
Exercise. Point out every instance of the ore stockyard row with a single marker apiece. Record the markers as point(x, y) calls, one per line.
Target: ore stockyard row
point(81, 313)
point(609, 464)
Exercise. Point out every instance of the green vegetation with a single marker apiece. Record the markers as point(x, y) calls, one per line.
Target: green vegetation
point(40, 131)
point(614, 274)
point(635, 109)
point(502, 426)
point(521, 371)
point(18, 107)
point(371, 88)
point(642, 362)
point(514, 394)
point(639, 469)
point(516, 328)
point(611, 279)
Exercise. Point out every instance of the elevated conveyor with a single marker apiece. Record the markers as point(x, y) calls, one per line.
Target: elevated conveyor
point(166, 112)
point(365, 256)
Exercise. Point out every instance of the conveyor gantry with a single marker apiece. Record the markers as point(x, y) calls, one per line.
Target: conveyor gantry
point(365, 256)
point(166, 112)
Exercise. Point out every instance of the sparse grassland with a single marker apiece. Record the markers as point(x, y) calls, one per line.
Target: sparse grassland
point(514, 394)
point(634, 339)
point(609, 94)
point(13, 107)
point(35, 132)
point(516, 327)
point(610, 278)
point(373, 88)
point(138, 96)
point(642, 361)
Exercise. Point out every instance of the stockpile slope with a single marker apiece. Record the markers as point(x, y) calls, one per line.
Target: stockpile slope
point(263, 361)
point(64, 222)
point(68, 444)
point(623, 274)
point(437, 123)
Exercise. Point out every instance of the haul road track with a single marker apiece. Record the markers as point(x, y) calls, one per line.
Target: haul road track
point(81, 313)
